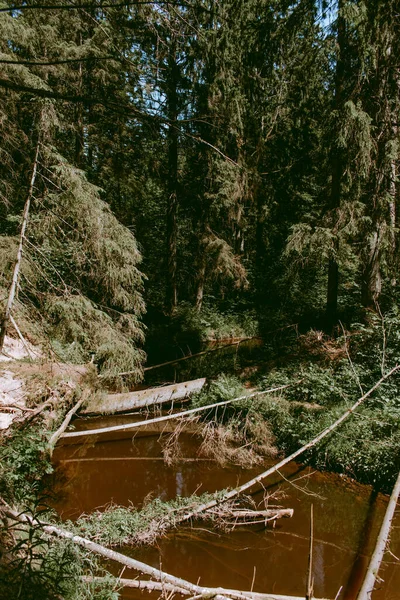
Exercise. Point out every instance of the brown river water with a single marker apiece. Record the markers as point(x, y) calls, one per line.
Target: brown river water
point(347, 517)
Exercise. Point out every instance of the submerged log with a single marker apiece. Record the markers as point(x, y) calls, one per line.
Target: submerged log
point(114, 403)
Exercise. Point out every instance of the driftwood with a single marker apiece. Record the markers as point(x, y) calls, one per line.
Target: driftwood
point(257, 480)
point(372, 572)
point(113, 403)
point(156, 586)
point(179, 585)
point(185, 413)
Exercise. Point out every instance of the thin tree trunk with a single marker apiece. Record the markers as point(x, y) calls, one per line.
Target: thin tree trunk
point(337, 169)
point(371, 284)
point(79, 131)
point(372, 572)
point(172, 206)
point(201, 277)
point(17, 266)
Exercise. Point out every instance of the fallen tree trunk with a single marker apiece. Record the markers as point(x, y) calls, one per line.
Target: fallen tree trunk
point(372, 572)
point(257, 480)
point(156, 586)
point(113, 403)
point(169, 417)
point(131, 563)
point(178, 584)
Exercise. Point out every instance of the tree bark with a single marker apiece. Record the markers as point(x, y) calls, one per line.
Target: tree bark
point(17, 266)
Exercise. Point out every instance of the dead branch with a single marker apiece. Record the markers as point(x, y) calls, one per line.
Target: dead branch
point(54, 438)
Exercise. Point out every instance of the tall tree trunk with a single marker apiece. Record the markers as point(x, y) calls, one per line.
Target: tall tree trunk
point(17, 266)
point(79, 131)
point(337, 170)
point(171, 299)
point(371, 284)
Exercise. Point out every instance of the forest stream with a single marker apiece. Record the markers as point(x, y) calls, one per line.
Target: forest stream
point(347, 516)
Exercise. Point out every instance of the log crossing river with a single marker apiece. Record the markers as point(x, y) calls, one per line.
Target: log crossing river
point(347, 516)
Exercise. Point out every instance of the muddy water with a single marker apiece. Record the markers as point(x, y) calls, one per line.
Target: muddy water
point(347, 517)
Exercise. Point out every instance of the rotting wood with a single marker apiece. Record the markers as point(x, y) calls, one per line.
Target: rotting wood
point(180, 585)
point(257, 480)
point(17, 266)
point(114, 403)
point(157, 586)
point(54, 438)
point(185, 413)
point(373, 569)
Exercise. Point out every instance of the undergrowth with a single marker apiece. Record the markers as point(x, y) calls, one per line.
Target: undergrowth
point(34, 565)
point(234, 433)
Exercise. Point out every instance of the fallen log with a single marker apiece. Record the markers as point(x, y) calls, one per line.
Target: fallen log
point(185, 413)
point(179, 585)
point(373, 569)
point(114, 403)
point(156, 586)
point(257, 480)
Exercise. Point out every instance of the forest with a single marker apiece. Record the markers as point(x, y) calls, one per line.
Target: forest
point(183, 173)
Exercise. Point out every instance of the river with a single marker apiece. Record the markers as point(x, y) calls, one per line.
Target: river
point(347, 517)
